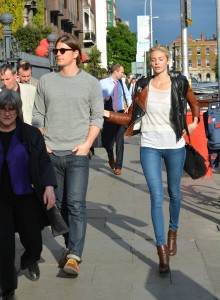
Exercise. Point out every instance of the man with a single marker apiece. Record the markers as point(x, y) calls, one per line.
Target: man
point(69, 113)
point(113, 95)
point(24, 72)
point(131, 86)
point(8, 77)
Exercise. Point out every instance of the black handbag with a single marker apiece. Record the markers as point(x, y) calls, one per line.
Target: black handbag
point(195, 164)
point(57, 223)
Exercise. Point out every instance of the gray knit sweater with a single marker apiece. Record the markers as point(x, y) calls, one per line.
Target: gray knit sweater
point(66, 107)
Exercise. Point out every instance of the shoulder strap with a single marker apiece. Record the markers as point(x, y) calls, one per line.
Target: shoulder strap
point(123, 91)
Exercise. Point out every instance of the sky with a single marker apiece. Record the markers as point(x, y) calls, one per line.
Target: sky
point(167, 28)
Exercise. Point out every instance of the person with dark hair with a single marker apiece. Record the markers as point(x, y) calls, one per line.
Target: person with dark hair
point(114, 92)
point(27, 182)
point(8, 77)
point(24, 73)
point(157, 115)
point(69, 112)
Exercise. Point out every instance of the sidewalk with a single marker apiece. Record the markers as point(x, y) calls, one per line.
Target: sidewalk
point(120, 260)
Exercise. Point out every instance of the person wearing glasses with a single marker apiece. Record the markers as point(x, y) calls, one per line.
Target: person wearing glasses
point(8, 77)
point(69, 111)
point(27, 180)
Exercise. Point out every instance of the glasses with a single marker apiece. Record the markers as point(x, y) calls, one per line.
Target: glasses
point(62, 50)
point(10, 110)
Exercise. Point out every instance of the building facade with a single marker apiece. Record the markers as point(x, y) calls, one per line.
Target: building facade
point(86, 19)
point(202, 55)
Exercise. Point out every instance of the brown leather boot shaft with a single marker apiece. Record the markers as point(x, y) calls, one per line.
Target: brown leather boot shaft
point(164, 259)
point(171, 242)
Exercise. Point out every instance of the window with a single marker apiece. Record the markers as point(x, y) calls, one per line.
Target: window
point(216, 50)
point(198, 51)
point(207, 51)
point(189, 51)
point(207, 63)
point(198, 62)
point(190, 63)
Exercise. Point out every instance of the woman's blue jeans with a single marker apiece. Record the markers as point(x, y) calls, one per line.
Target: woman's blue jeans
point(72, 173)
point(151, 161)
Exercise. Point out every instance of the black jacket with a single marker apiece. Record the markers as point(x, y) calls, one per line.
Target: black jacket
point(137, 109)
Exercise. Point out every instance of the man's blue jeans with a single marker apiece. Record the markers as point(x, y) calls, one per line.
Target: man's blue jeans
point(151, 161)
point(72, 173)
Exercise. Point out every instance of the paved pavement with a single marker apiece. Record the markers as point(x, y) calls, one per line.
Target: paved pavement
point(120, 260)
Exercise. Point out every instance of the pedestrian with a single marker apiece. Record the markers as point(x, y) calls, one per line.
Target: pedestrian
point(154, 113)
point(27, 180)
point(114, 100)
point(131, 86)
point(69, 112)
point(24, 73)
point(8, 76)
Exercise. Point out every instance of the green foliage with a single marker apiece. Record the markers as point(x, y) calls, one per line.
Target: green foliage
point(92, 64)
point(215, 69)
point(38, 18)
point(15, 8)
point(121, 46)
point(30, 36)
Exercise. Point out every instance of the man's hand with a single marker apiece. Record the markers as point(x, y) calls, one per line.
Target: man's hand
point(82, 149)
point(49, 197)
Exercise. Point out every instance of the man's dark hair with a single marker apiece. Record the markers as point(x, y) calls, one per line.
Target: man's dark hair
point(72, 42)
point(115, 67)
point(6, 67)
point(24, 65)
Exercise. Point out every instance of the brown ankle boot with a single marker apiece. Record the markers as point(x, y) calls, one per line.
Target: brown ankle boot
point(171, 242)
point(164, 259)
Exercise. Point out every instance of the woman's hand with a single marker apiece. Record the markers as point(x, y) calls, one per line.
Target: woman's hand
point(106, 113)
point(49, 197)
point(191, 128)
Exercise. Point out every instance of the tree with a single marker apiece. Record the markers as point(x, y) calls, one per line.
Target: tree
point(15, 8)
point(121, 46)
point(29, 37)
point(215, 69)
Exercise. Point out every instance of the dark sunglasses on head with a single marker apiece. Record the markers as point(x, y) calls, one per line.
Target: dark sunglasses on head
point(62, 50)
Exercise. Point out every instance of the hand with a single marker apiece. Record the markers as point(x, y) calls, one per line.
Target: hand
point(82, 149)
point(49, 150)
point(107, 98)
point(192, 127)
point(49, 197)
point(106, 113)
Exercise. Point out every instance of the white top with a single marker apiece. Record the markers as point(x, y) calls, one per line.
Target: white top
point(157, 131)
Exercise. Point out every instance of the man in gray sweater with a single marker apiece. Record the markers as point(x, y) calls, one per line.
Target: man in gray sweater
point(69, 110)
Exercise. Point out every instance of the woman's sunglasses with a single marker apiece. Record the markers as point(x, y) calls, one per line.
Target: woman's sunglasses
point(62, 50)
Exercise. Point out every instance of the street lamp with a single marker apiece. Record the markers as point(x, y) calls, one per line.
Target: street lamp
point(151, 20)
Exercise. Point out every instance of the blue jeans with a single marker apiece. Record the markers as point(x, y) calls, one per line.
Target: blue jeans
point(72, 173)
point(151, 161)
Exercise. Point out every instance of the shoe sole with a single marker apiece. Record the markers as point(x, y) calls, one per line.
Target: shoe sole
point(70, 271)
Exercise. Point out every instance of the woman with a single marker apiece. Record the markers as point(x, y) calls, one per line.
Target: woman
point(26, 175)
point(156, 113)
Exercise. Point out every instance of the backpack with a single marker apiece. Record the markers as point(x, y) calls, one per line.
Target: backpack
point(212, 125)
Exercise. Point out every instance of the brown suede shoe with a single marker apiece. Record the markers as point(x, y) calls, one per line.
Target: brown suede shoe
point(117, 172)
point(111, 162)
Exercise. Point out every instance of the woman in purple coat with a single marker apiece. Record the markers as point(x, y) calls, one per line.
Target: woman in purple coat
point(26, 177)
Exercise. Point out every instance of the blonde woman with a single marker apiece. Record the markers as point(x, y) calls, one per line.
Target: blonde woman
point(156, 114)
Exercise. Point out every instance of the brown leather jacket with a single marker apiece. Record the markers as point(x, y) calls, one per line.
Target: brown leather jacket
point(138, 107)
